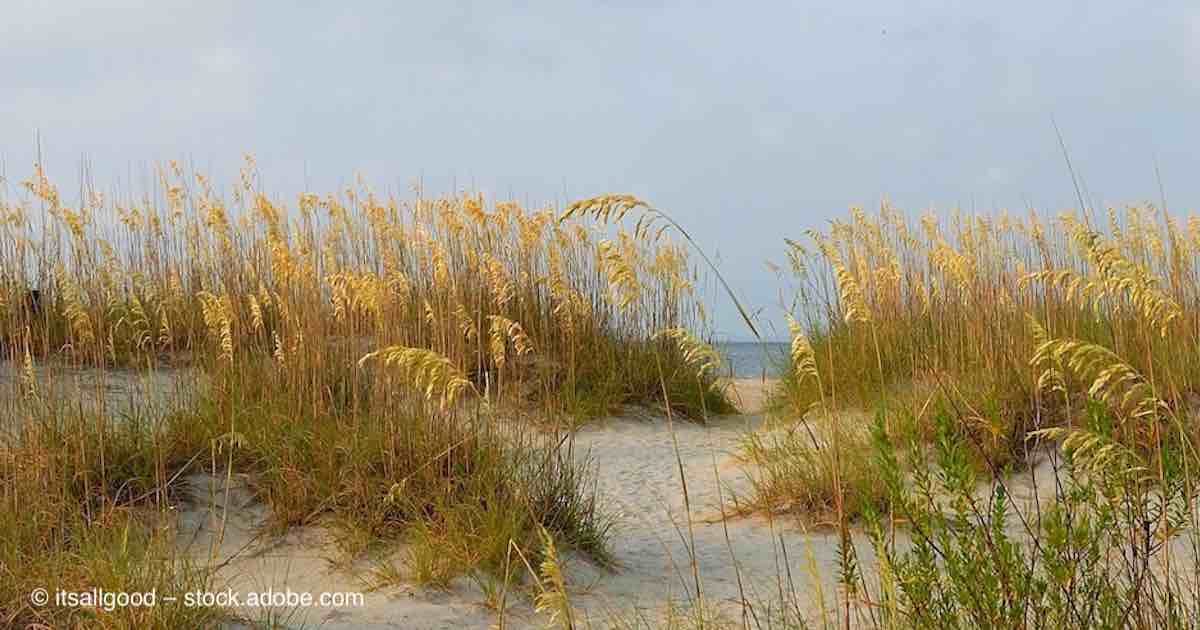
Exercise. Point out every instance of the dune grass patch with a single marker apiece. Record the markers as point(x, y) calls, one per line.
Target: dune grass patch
point(983, 346)
point(368, 363)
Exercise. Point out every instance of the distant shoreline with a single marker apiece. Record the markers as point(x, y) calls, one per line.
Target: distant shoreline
point(751, 359)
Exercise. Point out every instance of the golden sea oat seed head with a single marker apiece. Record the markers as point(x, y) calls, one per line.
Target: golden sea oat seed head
point(427, 371)
point(696, 353)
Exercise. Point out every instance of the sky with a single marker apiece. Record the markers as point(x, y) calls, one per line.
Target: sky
point(748, 122)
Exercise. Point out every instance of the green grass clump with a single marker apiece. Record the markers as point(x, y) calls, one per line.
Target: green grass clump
point(462, 483)
point(84, 507)
point(980, 558)
point(813, 470)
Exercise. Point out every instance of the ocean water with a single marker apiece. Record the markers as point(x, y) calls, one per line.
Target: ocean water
point(751, 359)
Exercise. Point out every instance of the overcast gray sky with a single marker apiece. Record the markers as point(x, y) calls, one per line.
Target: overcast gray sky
point(748, 121)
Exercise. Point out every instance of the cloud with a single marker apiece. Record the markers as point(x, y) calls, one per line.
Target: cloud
point(221, 60)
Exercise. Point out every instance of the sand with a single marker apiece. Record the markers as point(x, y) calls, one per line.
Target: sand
point(640, 461)
point(638, 473)
point(659, 551)
point(114, 391)
point(306, 560)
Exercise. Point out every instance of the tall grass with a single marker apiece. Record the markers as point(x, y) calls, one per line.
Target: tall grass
point(85, 504)
point(368, 362)
point(984, 347)
point(903, 312)
point(523, 304)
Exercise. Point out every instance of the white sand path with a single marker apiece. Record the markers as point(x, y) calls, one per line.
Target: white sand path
point(638, 464)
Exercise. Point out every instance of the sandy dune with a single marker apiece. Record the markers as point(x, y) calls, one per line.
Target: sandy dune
point(639, 478)
point(637, 459)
